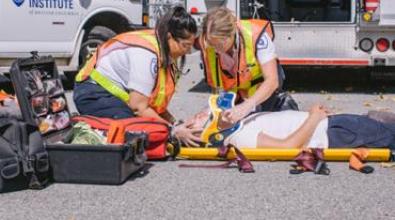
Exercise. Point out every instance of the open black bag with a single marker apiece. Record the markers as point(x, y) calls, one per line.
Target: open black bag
point(23, 158)
point(43, 103)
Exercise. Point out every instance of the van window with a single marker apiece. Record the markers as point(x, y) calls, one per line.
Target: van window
point(304, 10)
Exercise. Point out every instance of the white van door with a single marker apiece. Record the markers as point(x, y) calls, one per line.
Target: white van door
point(45, 26)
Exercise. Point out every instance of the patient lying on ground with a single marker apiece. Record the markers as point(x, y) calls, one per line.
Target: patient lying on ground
point(282, 130)
point(313, 129)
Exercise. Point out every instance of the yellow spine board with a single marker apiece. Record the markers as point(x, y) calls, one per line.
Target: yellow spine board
point(280, 154)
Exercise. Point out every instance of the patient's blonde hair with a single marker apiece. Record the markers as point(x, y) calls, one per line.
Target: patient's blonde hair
point(220, 23)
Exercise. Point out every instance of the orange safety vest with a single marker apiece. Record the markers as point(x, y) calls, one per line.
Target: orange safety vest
point(249, 74)
point(165, 81)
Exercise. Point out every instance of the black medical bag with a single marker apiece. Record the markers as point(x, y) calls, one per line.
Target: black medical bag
point(23, 158)
point(43, 103)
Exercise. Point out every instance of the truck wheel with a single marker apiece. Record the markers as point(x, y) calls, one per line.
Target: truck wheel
point(96, 36)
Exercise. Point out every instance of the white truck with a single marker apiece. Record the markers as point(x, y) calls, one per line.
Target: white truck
point(65, 29)
point(354, 33)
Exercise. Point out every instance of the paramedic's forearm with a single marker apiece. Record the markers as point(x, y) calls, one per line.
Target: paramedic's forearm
point(149, 112)
point(269, 86)
point(139, 104)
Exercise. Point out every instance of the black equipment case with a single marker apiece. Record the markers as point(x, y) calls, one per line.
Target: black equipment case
point(43, 103)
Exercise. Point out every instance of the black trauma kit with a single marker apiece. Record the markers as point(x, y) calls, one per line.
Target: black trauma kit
point(43, 104)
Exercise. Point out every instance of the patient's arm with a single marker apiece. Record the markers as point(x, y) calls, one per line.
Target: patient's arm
point(299, 137)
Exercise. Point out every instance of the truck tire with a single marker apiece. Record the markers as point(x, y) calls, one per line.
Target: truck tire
point(96, 36)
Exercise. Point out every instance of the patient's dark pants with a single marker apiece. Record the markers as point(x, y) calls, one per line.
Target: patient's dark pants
point(347, 130)
point(92, 99)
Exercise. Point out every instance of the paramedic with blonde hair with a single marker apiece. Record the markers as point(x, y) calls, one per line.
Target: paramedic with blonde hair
point(239, 56)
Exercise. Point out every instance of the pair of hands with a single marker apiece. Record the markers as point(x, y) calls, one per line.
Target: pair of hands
point(187, 134)
point(190, 135)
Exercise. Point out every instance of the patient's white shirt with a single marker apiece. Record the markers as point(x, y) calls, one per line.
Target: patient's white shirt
point(278, 125)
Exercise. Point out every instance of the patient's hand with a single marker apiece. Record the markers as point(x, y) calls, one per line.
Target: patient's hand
point(320, 111)
point(238, 112)
point(224, 124)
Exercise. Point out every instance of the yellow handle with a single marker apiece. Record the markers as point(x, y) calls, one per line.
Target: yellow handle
point(281, 154)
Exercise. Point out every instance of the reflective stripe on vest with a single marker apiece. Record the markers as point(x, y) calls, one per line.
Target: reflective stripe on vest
point(161, 89)
point(214, 68)
point(161, 79)
point(250, 51)
point(109, 86)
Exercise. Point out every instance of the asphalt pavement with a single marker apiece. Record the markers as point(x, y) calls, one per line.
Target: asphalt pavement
point(166, 191)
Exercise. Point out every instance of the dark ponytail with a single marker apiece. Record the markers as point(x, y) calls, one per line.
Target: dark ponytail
point(180, 24)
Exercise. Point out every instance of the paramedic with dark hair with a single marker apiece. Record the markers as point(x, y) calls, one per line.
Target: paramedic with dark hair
point(135, 73)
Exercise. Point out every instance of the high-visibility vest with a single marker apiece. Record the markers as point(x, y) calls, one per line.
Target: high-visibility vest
point(165, 82)
point(249, 73)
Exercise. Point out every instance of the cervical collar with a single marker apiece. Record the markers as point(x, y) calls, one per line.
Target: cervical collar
point(212, 134)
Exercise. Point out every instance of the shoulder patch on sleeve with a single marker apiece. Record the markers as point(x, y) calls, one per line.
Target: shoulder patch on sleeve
point(263, 42)
point(154, 67)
